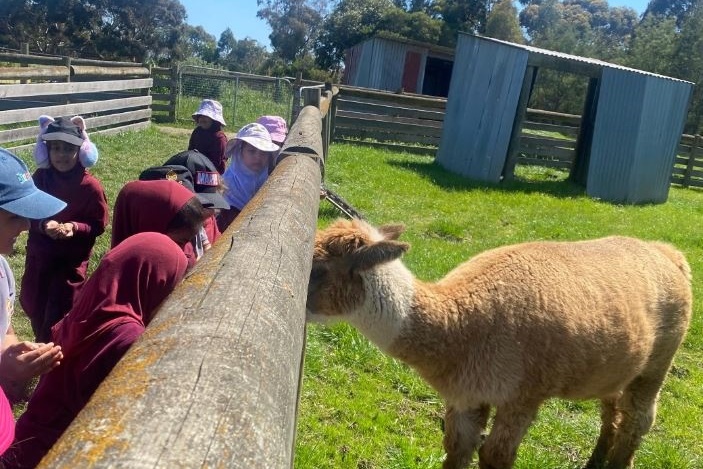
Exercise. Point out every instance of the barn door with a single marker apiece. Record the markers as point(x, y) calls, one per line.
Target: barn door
point(411, 71)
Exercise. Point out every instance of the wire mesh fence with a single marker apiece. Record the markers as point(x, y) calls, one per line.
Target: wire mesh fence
point(244, 97)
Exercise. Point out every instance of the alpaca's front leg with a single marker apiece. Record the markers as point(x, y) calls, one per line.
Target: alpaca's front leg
point(510, 424)
point(462, 434)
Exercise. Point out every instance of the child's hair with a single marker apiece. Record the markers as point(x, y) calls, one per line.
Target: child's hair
point(191, 215)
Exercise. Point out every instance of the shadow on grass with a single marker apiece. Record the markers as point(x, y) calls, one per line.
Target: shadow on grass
point(528, 180)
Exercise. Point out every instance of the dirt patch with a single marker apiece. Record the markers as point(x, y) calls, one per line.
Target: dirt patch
point(174, 130)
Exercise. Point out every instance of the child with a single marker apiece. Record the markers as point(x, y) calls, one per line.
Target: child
point(20, 200)
point(278, 129)
point(208, 137)
point(162, 206)
point(111, 312)
point(185, 168)
point(252, 153)
point(59, 247)
point(208, 186)
point(276, 126)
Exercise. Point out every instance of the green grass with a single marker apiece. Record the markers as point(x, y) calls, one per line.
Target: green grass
point(361, 409)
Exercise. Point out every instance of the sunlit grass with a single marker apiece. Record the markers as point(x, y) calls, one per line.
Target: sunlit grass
point(361, 409)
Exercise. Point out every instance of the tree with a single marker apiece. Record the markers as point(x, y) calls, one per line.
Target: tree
point(502, 22)
point(140, 30)
point(294, 24)
point(461, 16)
point(349, 23)
point(688, 64)
point(652, 45)
point(225, 45)
point(48, 26)
point(198, 43)
point(671, 8)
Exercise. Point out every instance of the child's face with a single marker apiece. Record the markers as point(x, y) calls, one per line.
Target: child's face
point(62, 155)
point(254, 159)
point(204, 122)
point(11, 226)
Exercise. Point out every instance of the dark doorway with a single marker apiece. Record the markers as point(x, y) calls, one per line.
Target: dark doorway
point(438, 74)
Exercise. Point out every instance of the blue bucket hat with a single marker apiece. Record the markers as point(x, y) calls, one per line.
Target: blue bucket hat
point(19, 195)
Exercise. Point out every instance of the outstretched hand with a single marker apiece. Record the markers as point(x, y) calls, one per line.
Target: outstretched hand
point(24, 360)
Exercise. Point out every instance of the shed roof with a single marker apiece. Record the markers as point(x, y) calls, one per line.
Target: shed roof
point(571, 63)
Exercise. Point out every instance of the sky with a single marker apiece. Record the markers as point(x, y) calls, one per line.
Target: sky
point(240, 16)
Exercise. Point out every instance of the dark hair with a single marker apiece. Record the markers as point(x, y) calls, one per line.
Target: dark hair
point(191, 215)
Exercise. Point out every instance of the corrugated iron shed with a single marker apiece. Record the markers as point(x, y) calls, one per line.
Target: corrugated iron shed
point(390, 64)
point(636, 122)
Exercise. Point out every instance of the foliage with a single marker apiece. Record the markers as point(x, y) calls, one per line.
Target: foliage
point(652, 44)
point(687, 63)
point(349, 23)
point(362, 409)
point(461, 16)
point(137, 30)
point(502, 23)
point(678, 9)
point(294, 25)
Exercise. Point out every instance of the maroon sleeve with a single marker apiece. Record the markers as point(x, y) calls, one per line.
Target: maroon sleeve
point(220, 152)
point(96, 217)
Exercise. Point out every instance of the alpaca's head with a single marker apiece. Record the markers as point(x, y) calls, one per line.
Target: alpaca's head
point(343, 253)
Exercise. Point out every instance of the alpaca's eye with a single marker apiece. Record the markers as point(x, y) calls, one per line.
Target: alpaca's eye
point(317, 273)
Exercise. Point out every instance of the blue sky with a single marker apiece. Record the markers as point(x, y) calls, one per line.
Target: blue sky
point(240, 16)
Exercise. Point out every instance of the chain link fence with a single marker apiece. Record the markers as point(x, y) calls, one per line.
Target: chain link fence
point(244, 97)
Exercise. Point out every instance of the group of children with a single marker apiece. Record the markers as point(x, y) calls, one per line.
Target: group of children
point(161, 224)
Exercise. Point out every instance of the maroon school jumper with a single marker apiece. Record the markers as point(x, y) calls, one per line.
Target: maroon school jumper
point(55, 269)
point(111, 312)
point(211, 143)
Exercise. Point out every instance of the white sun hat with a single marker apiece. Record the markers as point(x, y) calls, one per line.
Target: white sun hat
point(212, 109)
point(257, 136)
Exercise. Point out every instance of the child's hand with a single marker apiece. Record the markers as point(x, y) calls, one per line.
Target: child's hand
point(52, 228)
point(66, 230)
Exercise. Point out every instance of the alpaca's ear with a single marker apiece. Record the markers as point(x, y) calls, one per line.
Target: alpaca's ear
point(368, 257)
point(392, 231)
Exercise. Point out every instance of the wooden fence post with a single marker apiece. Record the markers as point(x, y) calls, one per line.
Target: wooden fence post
point(693, 152)
point(213, 382)
point(173, 91)
point(24, 49)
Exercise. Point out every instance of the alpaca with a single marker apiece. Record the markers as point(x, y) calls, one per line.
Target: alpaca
point(514, 326)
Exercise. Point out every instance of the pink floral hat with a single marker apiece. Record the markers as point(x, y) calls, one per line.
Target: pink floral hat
point(212, 109)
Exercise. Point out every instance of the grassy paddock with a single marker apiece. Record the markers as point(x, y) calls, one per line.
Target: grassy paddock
point(361, 409)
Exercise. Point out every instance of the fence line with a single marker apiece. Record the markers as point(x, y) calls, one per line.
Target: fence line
point(414, 124)
point(214, 380)
point(112, 96)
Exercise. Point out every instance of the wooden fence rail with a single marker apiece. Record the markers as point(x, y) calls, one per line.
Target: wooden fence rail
point(112, 96)
point(214, 380)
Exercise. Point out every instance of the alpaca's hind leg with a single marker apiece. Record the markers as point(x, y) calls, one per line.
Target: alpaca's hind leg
point(610, 419)
point(638, 407)
point(509, 426)
point(462, 434)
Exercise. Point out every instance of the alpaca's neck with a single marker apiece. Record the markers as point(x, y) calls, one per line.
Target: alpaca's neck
point(389, 299)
